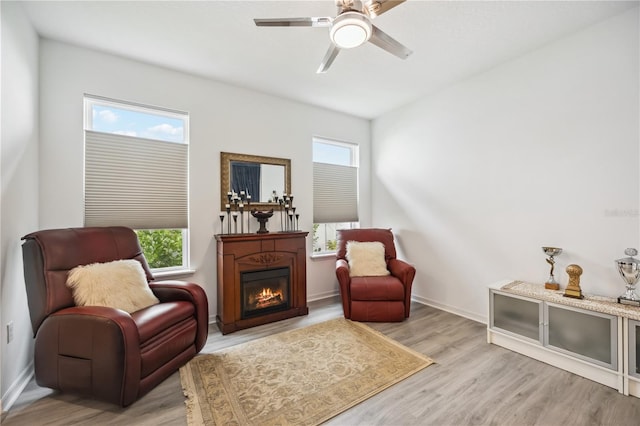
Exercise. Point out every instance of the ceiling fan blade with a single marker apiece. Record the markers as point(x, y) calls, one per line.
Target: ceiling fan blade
point(328, 59)
point(375, 8)
point(324, 21)
point(388, 43)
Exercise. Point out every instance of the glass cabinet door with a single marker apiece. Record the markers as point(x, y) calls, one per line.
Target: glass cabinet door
point(516, 315)
point(584, 334)
point(634, 348)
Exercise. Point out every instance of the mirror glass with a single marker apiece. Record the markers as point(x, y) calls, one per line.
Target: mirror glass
point(262, 178)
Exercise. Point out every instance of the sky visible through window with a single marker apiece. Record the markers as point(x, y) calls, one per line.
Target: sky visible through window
point(110, 119)
point(332, 154)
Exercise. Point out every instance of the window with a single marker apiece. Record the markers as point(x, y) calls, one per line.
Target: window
point(136, 175)
point(335, 191)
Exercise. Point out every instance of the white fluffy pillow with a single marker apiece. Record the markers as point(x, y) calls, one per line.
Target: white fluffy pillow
point(366, 259)
point(120, 284)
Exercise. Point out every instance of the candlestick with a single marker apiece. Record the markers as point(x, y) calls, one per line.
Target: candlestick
point(235, 222)
point(297, 220)
point(228, 207)
point(281, 202)
point(286, 216)
point(221, 223)
point(248, 215)
point(241, 208)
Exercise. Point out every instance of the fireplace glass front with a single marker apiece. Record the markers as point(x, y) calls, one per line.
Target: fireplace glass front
point(264, 292)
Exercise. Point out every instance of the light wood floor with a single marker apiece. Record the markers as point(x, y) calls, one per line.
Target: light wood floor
point(473, 383)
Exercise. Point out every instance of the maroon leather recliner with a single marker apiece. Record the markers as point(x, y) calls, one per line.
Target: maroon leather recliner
point(100, 352)
point(374, 298)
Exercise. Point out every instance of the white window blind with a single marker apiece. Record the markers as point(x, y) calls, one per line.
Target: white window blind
point(335, 193)
point(135, 182)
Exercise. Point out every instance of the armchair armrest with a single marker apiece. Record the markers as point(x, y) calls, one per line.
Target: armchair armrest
point(89, 348)
point(402, 270)
point(171, 290)
point(342, 272)
point(405, 273)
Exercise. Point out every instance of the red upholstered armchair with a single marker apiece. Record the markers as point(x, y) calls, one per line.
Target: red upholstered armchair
point(103, 352)
point(374, 298)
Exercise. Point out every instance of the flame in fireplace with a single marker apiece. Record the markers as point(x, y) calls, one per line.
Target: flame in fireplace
point(268, 297)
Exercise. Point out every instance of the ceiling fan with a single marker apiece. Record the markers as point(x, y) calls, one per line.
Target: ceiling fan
point(351, 28)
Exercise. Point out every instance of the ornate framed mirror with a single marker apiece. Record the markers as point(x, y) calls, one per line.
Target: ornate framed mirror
point(263, 178)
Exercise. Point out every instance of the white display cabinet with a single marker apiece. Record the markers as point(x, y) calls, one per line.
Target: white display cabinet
point(584, 337)
point(633, 361)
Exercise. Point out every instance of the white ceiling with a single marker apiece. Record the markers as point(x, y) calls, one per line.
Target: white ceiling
point(451, 40)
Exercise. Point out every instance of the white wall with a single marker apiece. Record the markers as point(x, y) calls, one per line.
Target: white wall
point(19, 197)
point(222, 118)
point(542, 150)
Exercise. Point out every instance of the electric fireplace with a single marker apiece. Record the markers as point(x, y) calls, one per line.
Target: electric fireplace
point(262, 278)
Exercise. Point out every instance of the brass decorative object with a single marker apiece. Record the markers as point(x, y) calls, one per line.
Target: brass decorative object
point(263, 218)
point(573, 288)
point(551, 283)
point(630, 273)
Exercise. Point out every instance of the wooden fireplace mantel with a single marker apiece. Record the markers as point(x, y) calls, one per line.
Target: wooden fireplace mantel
point(238, 253)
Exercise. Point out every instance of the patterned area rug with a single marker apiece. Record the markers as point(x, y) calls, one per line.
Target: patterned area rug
point(298, 377)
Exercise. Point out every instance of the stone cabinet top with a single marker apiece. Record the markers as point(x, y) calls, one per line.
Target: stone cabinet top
point(603, 304)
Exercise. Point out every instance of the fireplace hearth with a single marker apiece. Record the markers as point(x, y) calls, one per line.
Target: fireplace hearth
point(262, 278)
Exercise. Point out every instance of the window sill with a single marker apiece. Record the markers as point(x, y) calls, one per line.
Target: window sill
point(163, 275)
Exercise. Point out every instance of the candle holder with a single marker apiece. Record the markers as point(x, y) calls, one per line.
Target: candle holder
point(286, 217)
point(297, 221)
point(241, 209)
point(235, 222)
point(293, 211)
point(248, 216)
point(228, 208)
point(281, 202)
point(222, 223)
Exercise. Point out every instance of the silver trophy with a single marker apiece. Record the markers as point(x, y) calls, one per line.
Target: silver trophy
point(551, 283)
point(630, 273)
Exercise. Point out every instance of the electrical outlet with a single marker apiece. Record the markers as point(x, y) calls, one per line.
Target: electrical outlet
point(9, 331)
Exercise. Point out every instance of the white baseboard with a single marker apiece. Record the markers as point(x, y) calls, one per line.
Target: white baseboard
point(16, 388)
point(321, 296)
point(451, 309)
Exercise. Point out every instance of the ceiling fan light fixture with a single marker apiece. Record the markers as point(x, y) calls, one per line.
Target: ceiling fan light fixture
point(351, 29)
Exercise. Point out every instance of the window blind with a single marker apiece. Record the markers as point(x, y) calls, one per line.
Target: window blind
point(335, 193)
point(135, 182)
